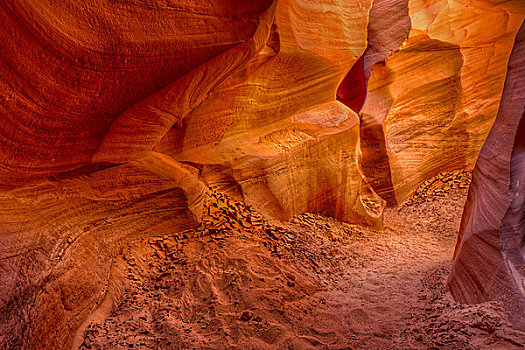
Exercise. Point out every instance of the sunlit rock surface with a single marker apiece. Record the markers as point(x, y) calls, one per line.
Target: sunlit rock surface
point(490, 255)
point(273, 130)
point(432, 101)
point(117, 115)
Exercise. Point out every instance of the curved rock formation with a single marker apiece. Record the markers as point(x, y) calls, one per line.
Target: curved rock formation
point(419, 124)
point(91, 93)
point(68, 70)
point(117, 115)
point(60, 238)
point(284, 150)
point(490, 255)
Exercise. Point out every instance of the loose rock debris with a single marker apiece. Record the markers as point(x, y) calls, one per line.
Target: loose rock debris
point(241, 281)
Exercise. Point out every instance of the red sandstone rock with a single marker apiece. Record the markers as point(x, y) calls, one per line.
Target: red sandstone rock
point(431, 101)
point(59, 240)
point(273, 127)
point(69, 69)
point(490, 254)
point(102, 103)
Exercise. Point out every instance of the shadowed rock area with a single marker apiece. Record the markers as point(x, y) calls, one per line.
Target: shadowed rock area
point(490, 254)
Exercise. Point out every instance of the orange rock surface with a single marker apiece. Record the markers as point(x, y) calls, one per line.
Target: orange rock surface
point(117, 115)
point(69, 69)
point(60, 238)
point(270, 132)
point(431, 102)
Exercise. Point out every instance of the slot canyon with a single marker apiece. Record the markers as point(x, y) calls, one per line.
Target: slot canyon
point(262, 174)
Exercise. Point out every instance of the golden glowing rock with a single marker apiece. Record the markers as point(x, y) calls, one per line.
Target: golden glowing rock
point(431, 103)
point(273, 126)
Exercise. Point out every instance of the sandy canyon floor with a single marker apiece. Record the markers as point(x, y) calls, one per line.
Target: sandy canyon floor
point(242, 282)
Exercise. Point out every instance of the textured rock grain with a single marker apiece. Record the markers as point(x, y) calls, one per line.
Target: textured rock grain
point(432, 100)
point(489, 263)
point(69, 69)
point(60, 238)
point(116, 115)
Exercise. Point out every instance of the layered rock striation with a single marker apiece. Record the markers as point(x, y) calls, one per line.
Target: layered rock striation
point(60, 238)
point(117, 115)
point(435, 72)
point(490, 254)
point(271, 132)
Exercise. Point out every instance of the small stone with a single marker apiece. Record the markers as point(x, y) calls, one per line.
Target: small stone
point(246, 315)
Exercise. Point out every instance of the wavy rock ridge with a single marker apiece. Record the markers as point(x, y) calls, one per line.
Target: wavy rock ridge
point(116, 116)
point(490, 255)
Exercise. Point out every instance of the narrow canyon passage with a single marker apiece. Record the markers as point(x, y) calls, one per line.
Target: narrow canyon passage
point(310, 283)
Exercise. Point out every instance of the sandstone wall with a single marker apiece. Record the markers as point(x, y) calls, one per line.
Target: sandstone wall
point(116, 115)
point(490, 254)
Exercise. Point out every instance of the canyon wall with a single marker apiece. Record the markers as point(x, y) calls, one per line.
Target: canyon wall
point(117, 115)
point(490, 254)
point(435, 72)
